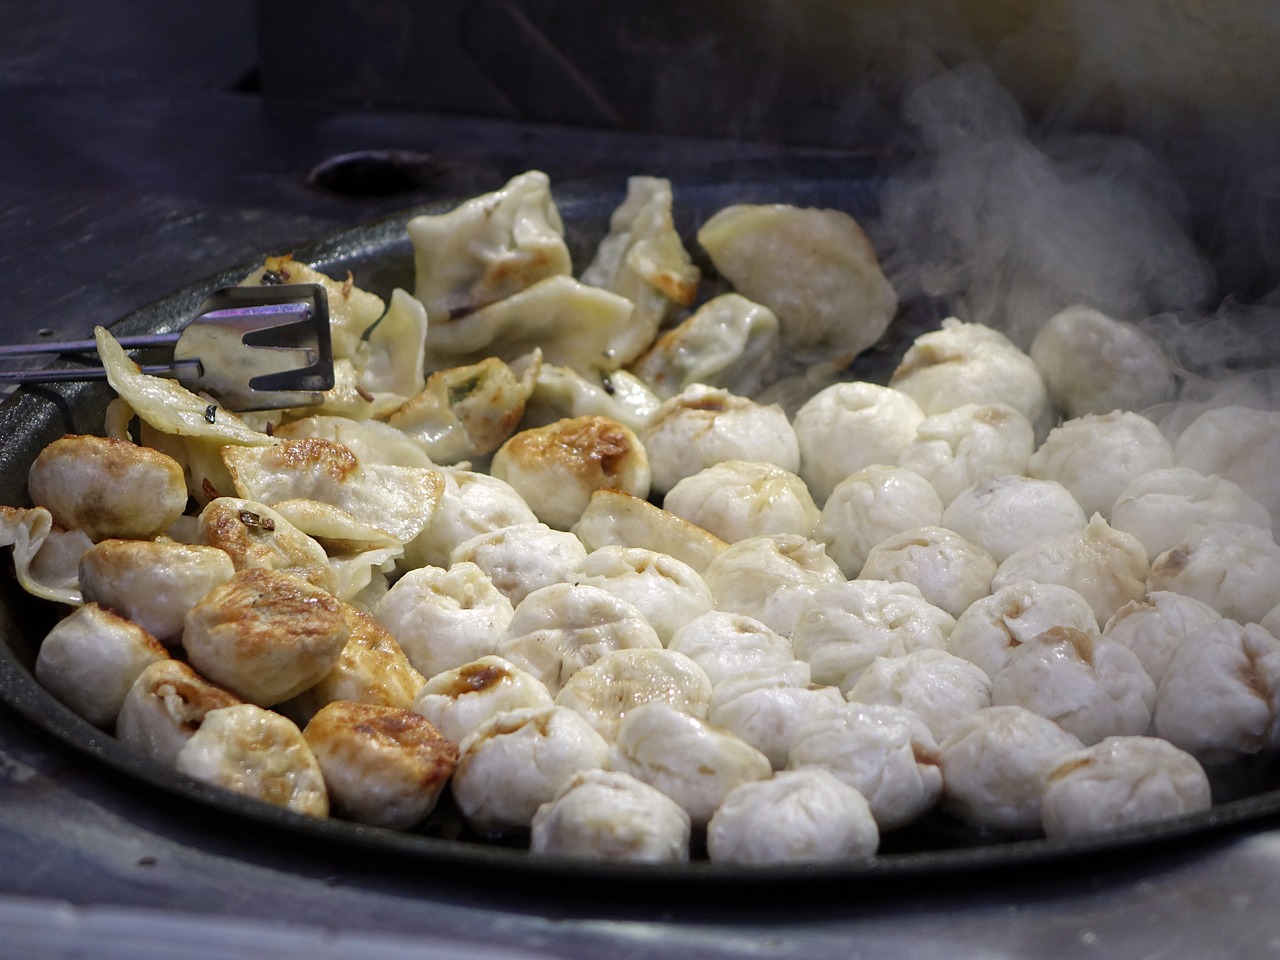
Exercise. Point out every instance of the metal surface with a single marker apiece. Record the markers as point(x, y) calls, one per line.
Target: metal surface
point(137, 172)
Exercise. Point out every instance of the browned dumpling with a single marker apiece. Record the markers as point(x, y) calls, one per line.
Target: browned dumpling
point(266, 636)
point(153, 583)
point(254, 535)
point(108, 488)
point(556, 468)
point(258, 754)
point(372, 668)
point(382, 765)
point(90, 659)
point(165, 706)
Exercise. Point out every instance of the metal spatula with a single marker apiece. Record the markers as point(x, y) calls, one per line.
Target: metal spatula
point(254, 348)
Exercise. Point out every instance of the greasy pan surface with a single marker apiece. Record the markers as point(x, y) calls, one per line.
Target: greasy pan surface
point(380, 257)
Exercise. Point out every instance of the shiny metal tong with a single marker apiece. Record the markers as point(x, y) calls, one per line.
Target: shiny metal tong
point(253, 348)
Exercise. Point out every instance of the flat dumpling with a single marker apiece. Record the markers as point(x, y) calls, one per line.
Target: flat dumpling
point(728, 342)
point(560, 392)
point(467, 411)
point(488, 248)
point(575, 325)
point(644, 260)
point(814, 268)
point(399, 500)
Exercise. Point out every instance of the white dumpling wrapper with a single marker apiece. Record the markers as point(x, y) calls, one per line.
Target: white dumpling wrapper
point(872, 505)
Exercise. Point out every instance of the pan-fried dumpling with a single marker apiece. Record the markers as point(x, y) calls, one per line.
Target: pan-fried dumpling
point(166, 405)
point(488, 248)
point(1085, 683)
point(29, 531)
point(522, 558)
point(728, 342)
point(575, 325)
point(845, 627)
point(519, 760)
point(1097, 456)
point(254, 535)
point(460, 701)
point(607, 815)
point(165, 706)
point(393, 352)
point(372, 668)
point(614, 517)
point(886, 753)
point(990, 630)
point(1094, 364)
point(690, 761)
point(940, 687)
point(1122, 782)
point(869, 507)
point(807, 815)
point(1219, 698)
point(471, 504)
point(814, 268)
point(107, 488)
point(668, 592)
point(995, 763)
point(727, 644)
point(467, 411)
point(621, 680)
point(152, 582)
point(768, 707)
point(736, 499)
point(257, 753)
point(969, 444)
point(266, 636)
point(1004, 514)
point(382, 765)
point(964, 363)
point(562, 392)
point(873, 425)
point(445, 618)
point(644, 260)
point(702, 426)
point(1156, 627)
point(1161, 506)
point(91, 658)
point(556, 468)
point(1233, 567)
point(771, 578)
point(399, 500)
point(558, 630)
point(1238, 443)
point(1106, 567)
point(949, 571)
point(372, 441)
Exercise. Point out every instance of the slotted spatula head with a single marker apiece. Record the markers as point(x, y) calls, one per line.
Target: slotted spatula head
point(260, 348)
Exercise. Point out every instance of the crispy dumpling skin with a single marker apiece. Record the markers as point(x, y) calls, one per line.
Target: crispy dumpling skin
point(266, 636)
point(372, 668)
point(165, 706)
point(382, 765)
point(258, 754)
point(108, 488)
point(254, 535)
point(556, 468)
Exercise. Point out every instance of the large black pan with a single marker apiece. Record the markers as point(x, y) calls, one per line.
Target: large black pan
point(380, 257)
